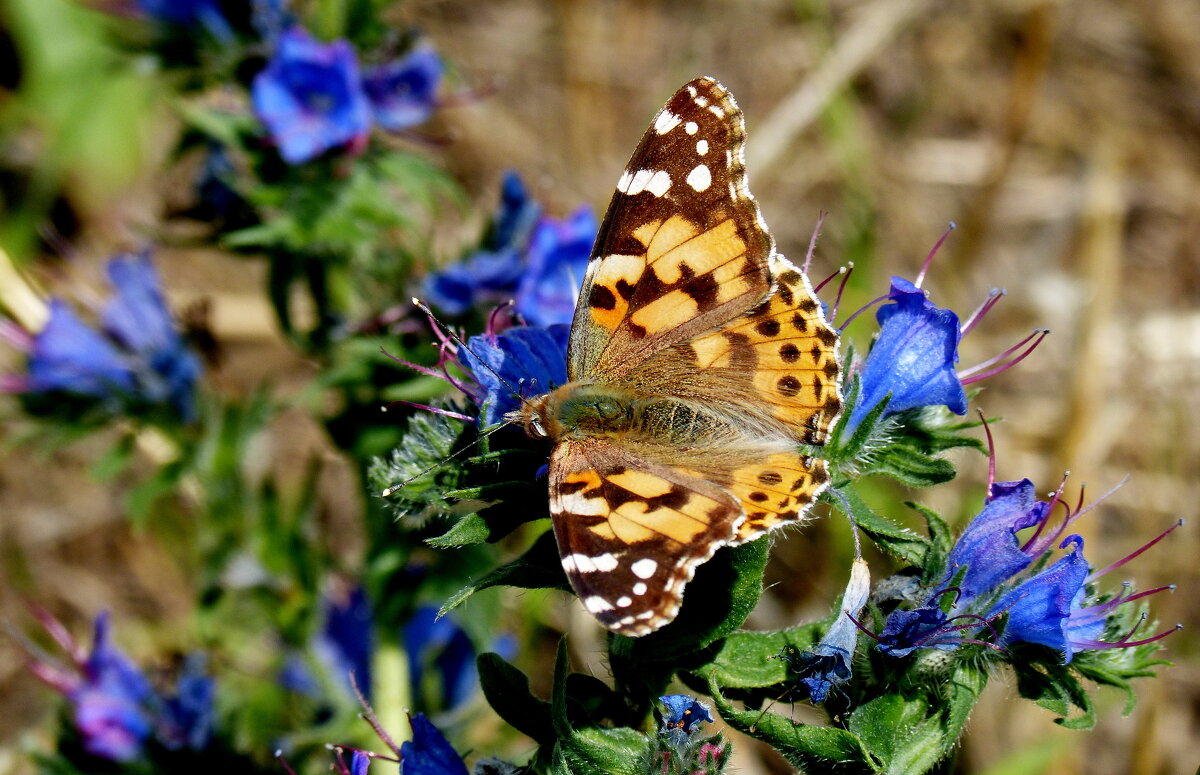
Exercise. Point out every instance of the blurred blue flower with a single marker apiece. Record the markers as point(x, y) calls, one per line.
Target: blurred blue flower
point(70, 356)
point(403, 93)
point(310, 97)
point(344, 647)
point(829, 664)
point(429, 753)
point(537, 262)
point(114, 708)
point(515, 217)
point(187, 716)
point(527, 359)
point(190, 13)
point(555, 262)
point(438, 651)
point(139, 360)
point(913, 358)
point(111, 701)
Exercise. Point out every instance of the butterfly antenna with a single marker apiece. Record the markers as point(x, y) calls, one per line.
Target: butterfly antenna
point(458, 340)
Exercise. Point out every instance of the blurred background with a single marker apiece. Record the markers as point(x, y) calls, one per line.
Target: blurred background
point(1061, 137)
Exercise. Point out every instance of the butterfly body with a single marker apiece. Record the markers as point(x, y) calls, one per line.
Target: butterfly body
point(702, 375)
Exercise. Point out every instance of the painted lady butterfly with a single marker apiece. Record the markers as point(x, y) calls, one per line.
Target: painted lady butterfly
point(699, 363)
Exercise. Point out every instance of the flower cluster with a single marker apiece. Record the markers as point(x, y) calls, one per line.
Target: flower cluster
point(534, 261)
point(679, 747)
point(137, 359)
point(312, 96)
point(1010, 586)
point(115, 710)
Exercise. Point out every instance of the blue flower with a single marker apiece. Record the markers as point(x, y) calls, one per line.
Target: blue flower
point(187, 716)
point(525, 360)
point(482, 279)
point(189, 13)
point(403, 93)
point(310, 97)
point(828, 664)
point(139, 360)
point(994, 572)
point(347, 638)
point(429, 753)
point(684, 713)
point(110, 702)
point(913, 357)
point(70, 356)
point(516, 216)
point(438, 649)
point(556, 261)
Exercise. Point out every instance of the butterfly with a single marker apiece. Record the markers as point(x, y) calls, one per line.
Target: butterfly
point(699, 362)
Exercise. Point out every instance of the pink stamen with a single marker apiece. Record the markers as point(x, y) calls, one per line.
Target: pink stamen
point(837, 302)
point(1037, 336)
point(468, 97)
point(929, 259)
point(283, 763)
point(1097, 574)
point(410, 365)
point(992, 299)
point(1125, 642)
point(1102, 610)
point(1054, 500)
point(59, 634)
point(493, 328)
point(15, 336)
point(823, 283)
point(14, 383)
point(861, 310)
point(991, 445)
point(369, 716)
point(435, 409)
point(812, 241)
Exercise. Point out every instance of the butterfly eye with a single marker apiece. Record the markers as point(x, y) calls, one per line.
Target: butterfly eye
point(535, 425)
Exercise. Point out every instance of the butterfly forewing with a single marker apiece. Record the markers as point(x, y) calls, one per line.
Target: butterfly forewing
point(682, 247)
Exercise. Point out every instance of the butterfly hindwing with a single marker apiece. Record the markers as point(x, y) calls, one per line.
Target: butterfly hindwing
point(631, 531)
point(682, 248)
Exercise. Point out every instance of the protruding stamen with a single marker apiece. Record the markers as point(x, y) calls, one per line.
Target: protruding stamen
point(968, 376)
point(991, 445)
point(435, 409)
point(840, 271)
point(992, 299)
point(929, 259)
point(837, 302)
point(861, 310)
point(1054, 500)
point(1097, 574)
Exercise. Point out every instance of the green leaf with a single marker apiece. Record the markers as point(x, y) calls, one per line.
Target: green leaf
point(538, 568)
point(897, 731)
point(1041, 678)
point(941, 541)
point(912, 467)
point(812, 748)
point(507, 691)
point(887, 535)
point(471, 529)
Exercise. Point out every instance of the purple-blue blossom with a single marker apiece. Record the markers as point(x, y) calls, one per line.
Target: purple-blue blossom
point(136, 359)
point(428, 752)
point(441, 660)
point(403, 93)
point(684, 714)
point(1008, 588)
point(829, 663)
point(310, 97)
point(520, 362)
point(555, 262)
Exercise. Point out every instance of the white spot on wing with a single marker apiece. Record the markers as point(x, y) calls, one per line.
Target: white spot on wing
point(576, 503)
point(581, 563)
point(702, 101)
point(701, 147)
point(596, 604)
point(623, 183)
point(659, 183)
point(700, 178)
point(624, 601)
point(691, 127)
point(644, 568)
point(716, 111)
point(639, 588)
point(665, 122)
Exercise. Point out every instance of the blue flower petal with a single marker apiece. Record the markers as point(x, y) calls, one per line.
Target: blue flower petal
point(556, 262)
point(71, 356)
point(188, 716)
point(515, 217)
point(403, 93)
point(684, 712)
point(440, 644)
point(1039, 610)
point(532, 360)
point(989, 546)
point(429, 753)
point(913, 358)
point(110, 703)
point(907, 631)
point(347, 639)
point(483, 278)
point(310, 97)
point(828, 664)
